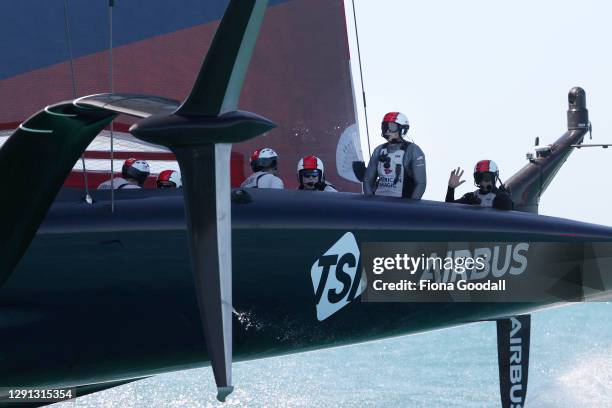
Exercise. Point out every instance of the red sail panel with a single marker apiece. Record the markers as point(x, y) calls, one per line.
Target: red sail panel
point(299, 77)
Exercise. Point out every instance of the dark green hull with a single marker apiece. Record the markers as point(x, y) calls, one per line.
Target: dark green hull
point(102, 296)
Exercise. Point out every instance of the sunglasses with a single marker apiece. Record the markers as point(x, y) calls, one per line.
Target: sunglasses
point(390, 126)
point(310, 174)
point(478, 177)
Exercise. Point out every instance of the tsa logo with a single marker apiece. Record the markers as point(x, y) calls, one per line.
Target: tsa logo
point(334, 277)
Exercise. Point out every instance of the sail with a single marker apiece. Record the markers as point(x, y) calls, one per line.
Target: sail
point(299, 75)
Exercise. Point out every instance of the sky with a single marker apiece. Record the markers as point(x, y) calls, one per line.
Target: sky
point(480, 80)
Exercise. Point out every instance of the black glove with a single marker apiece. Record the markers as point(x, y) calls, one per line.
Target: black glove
point(470, 198)
point(503, 201)
point(359, 168)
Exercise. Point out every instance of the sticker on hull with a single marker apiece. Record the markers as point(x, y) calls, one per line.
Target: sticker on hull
point(335, 277)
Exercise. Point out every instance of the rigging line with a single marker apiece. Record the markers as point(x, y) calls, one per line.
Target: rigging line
point(69, 44)
point(88, 198)
point(111, 4)
point(365, 108)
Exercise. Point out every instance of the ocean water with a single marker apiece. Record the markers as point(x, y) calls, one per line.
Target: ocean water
point(570, 366)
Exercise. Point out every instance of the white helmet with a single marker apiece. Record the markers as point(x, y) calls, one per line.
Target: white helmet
point(486, 170)
point(169, 179)
point(399, 119)
point(262, 159)
point(311, 165)
point(135, 169)
point(486, 166)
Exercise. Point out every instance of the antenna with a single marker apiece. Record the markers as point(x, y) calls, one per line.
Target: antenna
point(602, 145)
point(580, 146)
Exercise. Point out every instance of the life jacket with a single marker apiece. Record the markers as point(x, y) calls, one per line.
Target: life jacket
point(324, 186)
point(253, 181)
point(119, 183)
point(486, 200)
point(392, 180)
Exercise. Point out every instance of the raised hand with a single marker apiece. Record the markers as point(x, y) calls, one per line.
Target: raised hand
point(454, 180)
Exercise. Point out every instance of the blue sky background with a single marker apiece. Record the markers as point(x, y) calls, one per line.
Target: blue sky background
point(480, 80)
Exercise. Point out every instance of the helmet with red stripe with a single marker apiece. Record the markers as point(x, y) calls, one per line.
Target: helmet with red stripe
point(264, 159)
point(169, 179)
point(135, 169)
point(310, 167)
point(486, 169)
point(395, 122)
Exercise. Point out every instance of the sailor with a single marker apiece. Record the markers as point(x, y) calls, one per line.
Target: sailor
point(264, 163)
point(486, 175)
point(169, 179)
point(311, 175)
point(133, 175)
point(396, 168)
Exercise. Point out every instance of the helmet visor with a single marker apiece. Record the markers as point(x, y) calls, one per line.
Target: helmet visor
point(310, 173)
point(484, 176)
point(389, 126)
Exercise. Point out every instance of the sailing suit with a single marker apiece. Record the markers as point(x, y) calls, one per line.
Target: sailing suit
point(396, 169)
point(262, 179)
point(119, 183)
point(325, 186)
point(497, 198)
point(329, 187)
